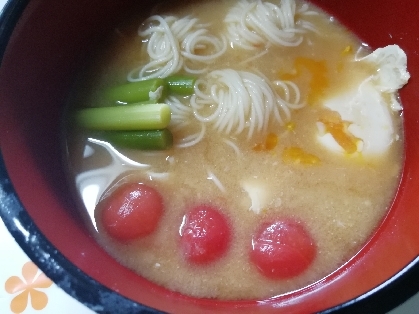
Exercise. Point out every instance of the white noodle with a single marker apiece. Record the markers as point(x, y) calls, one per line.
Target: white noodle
point(256, 56)
point(255, 24)
point(181, 118)
point(174, 44)
point(192, 139)
point(217, 182)
point(162, 48)
point(233, 146)
point(232, 102)
point(181, 112)
point(290, 103)
point(237, 101)
point(158, 175)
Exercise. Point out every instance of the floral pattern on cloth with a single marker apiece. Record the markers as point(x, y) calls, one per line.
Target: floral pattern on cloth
point(27, 288)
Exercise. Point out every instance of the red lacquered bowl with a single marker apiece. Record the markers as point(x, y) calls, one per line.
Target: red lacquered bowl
point(44, 44)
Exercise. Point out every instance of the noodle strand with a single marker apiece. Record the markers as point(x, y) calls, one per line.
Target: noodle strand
point(255, 24)
point(174, 44)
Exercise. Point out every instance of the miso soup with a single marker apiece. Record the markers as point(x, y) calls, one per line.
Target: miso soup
point(263, 144)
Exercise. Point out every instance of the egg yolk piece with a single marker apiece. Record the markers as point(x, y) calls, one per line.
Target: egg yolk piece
point(296, 155)
point(338, 129)
point(318, 72)
point(270, 143)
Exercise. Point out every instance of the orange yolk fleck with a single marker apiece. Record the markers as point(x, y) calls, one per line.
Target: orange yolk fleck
point(270, 143)
point(296, 155)
point(290, 126)
point(347, 50)
point(339, 131)
point(318, 82)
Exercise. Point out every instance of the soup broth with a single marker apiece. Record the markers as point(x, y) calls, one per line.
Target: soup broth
point(283, 171)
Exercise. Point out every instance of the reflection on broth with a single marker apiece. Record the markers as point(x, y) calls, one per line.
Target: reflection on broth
point(259, 150)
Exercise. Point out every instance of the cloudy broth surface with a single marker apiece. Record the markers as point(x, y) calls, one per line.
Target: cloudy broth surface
point(340, 198)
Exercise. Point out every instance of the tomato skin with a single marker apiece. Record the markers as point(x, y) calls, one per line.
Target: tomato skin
point(132, 211)
point(282, 249)
point(204, 235)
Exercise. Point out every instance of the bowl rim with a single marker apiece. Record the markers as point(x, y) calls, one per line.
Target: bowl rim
point(384, 297)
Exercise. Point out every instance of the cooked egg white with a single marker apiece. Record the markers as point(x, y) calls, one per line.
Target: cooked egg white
point(366, 107)
point(259, 194)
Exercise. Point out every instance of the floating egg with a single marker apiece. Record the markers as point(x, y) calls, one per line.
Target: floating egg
point(364, 123)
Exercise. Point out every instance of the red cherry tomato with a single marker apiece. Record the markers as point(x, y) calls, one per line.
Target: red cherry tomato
point(205, 234)
point(282, 249)
point(132, 211)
